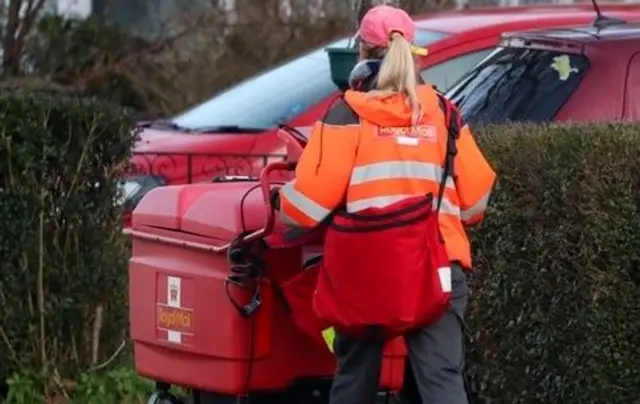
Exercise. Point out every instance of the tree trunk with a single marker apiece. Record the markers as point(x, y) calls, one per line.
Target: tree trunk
point(17, 30)
point(11, 58)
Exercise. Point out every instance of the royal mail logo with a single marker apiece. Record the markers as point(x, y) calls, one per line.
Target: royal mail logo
point(172, 319)
point(418, 133)
point(175, 319)
point(173, 293)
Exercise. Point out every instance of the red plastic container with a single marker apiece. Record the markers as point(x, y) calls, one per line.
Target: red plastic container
point(186, 331)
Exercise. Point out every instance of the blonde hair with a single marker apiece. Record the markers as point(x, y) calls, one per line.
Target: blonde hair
point(398, 74)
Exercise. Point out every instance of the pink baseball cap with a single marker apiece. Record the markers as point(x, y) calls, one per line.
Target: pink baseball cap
point(381, 21)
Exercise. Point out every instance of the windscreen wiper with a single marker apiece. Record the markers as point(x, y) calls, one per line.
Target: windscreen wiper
point(162, 124)
point(293, 131)
point(227, 129)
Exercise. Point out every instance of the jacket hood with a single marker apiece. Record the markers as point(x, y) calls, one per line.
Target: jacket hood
point(390, 110)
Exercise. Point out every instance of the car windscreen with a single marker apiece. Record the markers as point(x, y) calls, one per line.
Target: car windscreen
point(518, 84)
point(277, 95)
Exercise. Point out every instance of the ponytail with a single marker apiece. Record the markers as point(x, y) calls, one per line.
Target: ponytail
point(398, 74)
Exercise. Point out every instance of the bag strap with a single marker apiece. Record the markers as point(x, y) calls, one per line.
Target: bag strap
point(454, 124)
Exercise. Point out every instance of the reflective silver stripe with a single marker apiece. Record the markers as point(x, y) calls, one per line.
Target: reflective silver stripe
point(375, 202)
point(447, 206)
point(399, 169)
point(287, 219)
point(476, 209)
point(303, 203)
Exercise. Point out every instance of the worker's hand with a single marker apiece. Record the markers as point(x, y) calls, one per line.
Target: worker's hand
point(274, 198)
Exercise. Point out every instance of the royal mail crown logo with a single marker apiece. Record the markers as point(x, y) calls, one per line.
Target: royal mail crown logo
point(173, 293)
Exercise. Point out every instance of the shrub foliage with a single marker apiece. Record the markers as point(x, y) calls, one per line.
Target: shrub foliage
point(63, 261)
point(555, 312)
point(555, 315)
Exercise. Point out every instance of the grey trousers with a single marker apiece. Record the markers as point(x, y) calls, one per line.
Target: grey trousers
point(436, 355)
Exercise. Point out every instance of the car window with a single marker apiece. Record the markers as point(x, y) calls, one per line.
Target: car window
point(518, 84)
point(277, 95)
point(445, 74)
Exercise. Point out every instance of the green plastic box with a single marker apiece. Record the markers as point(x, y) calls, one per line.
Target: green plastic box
point(341, 62)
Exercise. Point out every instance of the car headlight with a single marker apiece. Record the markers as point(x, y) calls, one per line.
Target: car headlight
point(134, 188)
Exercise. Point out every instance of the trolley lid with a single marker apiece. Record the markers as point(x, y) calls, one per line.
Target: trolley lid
point(210, 210)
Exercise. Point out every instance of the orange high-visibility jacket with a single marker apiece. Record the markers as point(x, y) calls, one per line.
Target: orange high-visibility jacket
point(365, 153)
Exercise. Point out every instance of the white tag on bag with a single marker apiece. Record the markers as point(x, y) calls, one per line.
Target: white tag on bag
point(445, 278)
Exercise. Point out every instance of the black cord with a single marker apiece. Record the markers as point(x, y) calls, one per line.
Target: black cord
point(244, 398)
point(247, 269)
point(242, 200)
point(243, 222)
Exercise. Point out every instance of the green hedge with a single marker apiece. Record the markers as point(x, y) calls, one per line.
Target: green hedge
point(63, 261)
point(555, 311)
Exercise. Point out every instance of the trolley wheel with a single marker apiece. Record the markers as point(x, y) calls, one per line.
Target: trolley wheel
point(163, 397)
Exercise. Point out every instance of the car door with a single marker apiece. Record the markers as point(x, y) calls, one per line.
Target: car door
point(446, 73)
point(631, 110)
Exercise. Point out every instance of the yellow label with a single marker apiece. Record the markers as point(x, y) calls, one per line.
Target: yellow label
point(329, 335)
point(562, 64)
point(175, 319)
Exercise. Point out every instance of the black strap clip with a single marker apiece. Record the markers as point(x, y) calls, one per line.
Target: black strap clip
point(247, 270)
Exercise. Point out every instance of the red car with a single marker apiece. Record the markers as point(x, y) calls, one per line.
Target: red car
point(235, 132)
point(581, 74)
